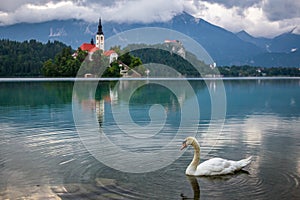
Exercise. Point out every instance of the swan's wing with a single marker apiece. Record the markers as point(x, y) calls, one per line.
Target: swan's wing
point(216, 166)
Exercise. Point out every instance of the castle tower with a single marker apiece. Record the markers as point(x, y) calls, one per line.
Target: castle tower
point(100, 37)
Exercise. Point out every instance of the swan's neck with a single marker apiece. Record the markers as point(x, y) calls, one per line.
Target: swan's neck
point(196, 159)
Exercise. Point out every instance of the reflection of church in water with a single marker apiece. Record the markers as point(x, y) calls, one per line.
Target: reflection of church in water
point(100, 105)
point(115, 94)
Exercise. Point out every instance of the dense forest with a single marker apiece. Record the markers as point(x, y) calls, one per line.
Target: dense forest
point(26, 58)
point(164, 54)
point(247, 71)
point(168, 55)
point(54, 59)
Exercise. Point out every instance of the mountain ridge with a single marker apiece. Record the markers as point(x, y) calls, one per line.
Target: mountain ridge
point(225, 47)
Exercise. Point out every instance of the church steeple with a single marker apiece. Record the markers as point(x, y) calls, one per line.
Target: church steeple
point(100, 37)
point(100, 32)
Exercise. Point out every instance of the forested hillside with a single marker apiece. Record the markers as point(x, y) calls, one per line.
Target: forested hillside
point(26, 58)
point(54, 59)
point(168, 55)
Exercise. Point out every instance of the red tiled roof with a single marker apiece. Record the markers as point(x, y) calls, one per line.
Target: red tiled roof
point(88, 47)
point(109, 52)
point(94, 49)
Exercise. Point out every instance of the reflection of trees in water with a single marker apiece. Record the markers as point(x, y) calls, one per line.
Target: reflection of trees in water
point(120, 90)
point(92, 90)
point(156, 90)
point(151, 94)
point(35, 93)
point(143, 94)
point(137, 93)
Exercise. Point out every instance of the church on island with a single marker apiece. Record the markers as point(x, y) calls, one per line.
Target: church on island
point(99, 45)
point(91, 47)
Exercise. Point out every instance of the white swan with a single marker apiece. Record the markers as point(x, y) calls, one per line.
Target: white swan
point(214, 166)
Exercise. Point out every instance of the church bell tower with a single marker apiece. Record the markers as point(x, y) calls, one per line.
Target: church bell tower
point(100, 37)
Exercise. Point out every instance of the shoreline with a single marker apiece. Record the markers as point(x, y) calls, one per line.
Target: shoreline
point(133, 79)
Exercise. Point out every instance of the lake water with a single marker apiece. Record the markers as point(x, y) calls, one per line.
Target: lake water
point(121, 139)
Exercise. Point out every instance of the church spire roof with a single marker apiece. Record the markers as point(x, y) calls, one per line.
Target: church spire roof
point(100, 32)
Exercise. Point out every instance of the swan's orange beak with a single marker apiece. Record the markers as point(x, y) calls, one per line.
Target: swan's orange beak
point(183, 145)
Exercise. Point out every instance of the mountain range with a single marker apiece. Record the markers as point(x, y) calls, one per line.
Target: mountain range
point(225, 47)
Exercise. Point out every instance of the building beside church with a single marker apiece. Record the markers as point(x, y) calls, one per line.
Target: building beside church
point(113, 56)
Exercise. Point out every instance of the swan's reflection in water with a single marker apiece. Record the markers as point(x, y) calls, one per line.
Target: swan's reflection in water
point(211, 179)
point(195, 186)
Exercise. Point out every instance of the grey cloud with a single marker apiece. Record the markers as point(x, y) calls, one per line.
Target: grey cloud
point(235, 3)
point(9, 5)
point(145, 11)
point(101, 2)
point(279, 10)
point(285, 12)
point(113, 10)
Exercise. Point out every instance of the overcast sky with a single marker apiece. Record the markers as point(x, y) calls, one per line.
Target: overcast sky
point(258, 17)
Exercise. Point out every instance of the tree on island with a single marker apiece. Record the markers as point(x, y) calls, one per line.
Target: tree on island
point(64, 64)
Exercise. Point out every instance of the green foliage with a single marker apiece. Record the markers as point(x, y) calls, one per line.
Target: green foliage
point(282, 71)
point(117, 49)
point(49, 68)
point(242, 71)
point(246, 71)
point(135, 62)
point(96, 65)
point(163, 54)
point(54, 59)
point(26, 58)
point(151, 55)
point(125, 58)
point(64, 64)
point(113, 70)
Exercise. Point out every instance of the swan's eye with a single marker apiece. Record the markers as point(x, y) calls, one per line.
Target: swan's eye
point(184, 142)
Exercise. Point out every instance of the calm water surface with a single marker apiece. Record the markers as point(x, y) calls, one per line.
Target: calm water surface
point(42, 156)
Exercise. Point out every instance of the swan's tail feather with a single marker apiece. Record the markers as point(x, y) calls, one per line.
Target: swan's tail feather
point(245, 162)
